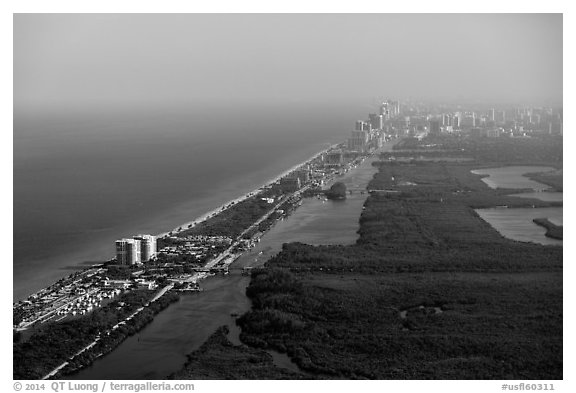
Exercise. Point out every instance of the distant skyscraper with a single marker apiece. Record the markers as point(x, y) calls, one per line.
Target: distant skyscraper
point(390, 109)
point(385, 111)
point(397, 108)
point(492, 114)
point(434, 127)
point(469, 120)
point(456, 121)
point(377, 121)
point(358, 141)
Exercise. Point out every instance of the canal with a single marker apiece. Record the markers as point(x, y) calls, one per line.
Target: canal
point(161, 347)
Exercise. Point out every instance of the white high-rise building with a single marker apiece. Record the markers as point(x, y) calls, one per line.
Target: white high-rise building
point(139, 249)
point(147, 247)
point(377, 121)
point(385, 111)
point(128, 251)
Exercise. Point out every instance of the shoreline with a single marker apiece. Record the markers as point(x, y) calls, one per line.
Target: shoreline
point(399, 236)
point(226, 205)
point(553, 231)
point(193, 223)
point(240, 256)
point(227, 257)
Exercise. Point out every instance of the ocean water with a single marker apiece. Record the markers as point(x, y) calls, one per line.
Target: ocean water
point(161, 347)
point(84, 179)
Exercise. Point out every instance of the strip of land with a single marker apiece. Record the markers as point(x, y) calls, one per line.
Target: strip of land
point(218, 358)
point(552, 230)
point(81, 308)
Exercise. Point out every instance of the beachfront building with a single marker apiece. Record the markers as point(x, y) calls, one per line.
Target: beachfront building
point(290, 184)
point(303, 175)
point(377, 121)
point(127, 251)
point(370, 135)
point(147, 246)
point(358, 141)
point(334, 158)
point(140, 248)
point(362, 125)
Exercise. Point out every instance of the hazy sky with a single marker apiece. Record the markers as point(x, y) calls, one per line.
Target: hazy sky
point(87, 59)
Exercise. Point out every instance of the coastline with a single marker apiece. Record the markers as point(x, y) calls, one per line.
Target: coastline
point(226, 205)
point(225, 256)
point(194, 222)
point(235, 283)
point(429, 222)
point(552, 230)
point(383, 296)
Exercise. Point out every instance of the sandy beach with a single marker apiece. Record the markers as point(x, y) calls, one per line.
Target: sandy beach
point(226, 205)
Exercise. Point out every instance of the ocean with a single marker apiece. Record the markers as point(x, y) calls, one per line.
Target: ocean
point(83, 179)
point(160, 348)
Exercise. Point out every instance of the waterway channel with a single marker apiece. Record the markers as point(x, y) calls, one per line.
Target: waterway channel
point(161, 347)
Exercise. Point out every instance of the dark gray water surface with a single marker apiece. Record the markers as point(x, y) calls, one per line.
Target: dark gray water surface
point(82, 180)
point(517, 223)
point(160, 348)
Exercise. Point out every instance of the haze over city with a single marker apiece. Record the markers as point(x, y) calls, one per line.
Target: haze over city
point(123, 59)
